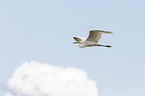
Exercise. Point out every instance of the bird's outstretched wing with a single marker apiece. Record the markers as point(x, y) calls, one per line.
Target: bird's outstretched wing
point(95, 35)
point(77, 38)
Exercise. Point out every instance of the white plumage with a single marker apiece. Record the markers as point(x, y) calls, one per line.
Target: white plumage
point(92, 39)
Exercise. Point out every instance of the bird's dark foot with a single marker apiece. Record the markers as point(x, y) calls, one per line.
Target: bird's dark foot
point(108, 46)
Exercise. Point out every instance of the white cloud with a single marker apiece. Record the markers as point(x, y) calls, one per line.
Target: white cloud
point(8, 94)
point(37, 79)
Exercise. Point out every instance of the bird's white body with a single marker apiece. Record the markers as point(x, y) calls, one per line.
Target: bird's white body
point(92, 39)
point(87, 44)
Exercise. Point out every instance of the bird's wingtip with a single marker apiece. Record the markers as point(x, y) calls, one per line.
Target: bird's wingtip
point(101, 31)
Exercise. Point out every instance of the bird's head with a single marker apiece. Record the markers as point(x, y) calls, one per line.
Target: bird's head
point(78, 42)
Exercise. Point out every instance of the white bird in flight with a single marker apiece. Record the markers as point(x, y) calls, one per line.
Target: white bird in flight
point(92, 39)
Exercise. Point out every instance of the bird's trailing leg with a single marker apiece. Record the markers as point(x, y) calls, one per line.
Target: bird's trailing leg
point(104, 45)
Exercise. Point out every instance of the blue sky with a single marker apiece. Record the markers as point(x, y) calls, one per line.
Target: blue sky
point(43, 30)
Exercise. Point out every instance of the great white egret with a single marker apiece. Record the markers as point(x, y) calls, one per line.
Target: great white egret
point(92, 39)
